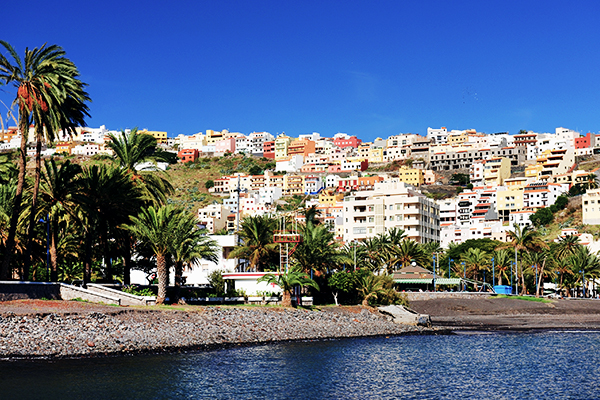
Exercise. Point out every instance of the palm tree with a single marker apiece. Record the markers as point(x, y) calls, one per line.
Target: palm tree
point(502, 264)
point(51, 96)
point(475, 260)
point(108, 199)
point(583, 262)
point(287, 281)
point(566, 246)
point(318, 250)
point(409, 251)
point(190, 245)
point(538, 261)
point(156, 227)
point(523, 239)
point(131, 150)
point(591, 181)
point(59, 185)
point(369, 286)
point(257, 241)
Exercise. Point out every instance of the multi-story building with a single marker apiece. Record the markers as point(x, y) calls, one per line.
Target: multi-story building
point(281, 146)
point(342, 140)
point(369, 213)
point(269, 149)
point(187, 155)
point(449, 160)
point(411, 176)
point(490, 172)
point(256, 143)
point(303, 147)
point(591, 207)
point(160, 136)
point(213, 217)
point(542, 194)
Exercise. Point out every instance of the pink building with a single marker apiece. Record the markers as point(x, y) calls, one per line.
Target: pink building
point(225, 145)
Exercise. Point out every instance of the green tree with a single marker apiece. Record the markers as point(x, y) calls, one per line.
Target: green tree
point(542, 216)
point(287, 281)
point(523, 240)
point(409, 251)
point(257, 244)
point(318, 250)
point(215, 279)
point(49, 95)
point(340, 282)
point(156, 227)
point(189, 246)
point(369, 287)
point(58, 188)
point(476, 260)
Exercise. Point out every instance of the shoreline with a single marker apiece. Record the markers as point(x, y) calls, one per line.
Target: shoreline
point(109, 331)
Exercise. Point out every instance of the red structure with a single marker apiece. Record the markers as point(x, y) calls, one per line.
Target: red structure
point(269, 149)
point(187, 155)
point(352, 141)
point(583, 142)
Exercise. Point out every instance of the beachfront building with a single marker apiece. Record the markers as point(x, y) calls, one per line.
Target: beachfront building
point(390, 205)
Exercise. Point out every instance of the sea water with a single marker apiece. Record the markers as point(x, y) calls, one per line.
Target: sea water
point(544, 365)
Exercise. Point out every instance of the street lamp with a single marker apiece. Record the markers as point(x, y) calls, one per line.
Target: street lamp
point(449, 261)
point(354, 245)
point(493, 273)
point(464, 276)
point(511, 277)
point(47, 222)
point(583, 282)
point(434, 272)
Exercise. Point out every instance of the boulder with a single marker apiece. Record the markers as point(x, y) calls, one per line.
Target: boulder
point(405, 316)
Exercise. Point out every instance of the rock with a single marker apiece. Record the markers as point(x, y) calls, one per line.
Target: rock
point(403, 315)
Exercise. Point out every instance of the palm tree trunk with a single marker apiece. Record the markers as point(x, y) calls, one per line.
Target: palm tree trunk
point(127, 260)
point(178, 278)
point(107, 261)
point(53, 250)
point(5, 271)
point(32, 214)
point(87, 264)
point(286, 299)
point(163, 277)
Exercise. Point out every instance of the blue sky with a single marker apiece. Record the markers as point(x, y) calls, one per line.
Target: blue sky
point(369, 68)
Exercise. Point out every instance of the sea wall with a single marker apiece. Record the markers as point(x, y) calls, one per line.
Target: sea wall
point(131, 330)
point(415, 296)
point(14, 290)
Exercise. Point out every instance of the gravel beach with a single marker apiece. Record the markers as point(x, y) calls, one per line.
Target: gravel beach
point(55, 329)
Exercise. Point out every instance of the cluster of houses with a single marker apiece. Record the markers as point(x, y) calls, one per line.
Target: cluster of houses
point(330, 173)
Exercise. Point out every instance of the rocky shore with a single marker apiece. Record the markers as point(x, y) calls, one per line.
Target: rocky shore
point(45, 332)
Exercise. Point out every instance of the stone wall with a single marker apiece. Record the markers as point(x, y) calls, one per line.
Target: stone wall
point(416, 296)
point(13, 290)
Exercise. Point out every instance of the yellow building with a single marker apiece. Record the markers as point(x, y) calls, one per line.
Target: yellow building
point(533, 170)
point(412, 176)
point(509, 200)
point(591, 207)
point(64, 147)
point(161, 137)
point(496, 170)
point(329, 198)
point(293, 184)
point(281, 146)
point(376, 155)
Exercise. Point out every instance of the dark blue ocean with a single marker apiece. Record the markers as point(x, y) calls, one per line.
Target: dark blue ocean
point(547, 365)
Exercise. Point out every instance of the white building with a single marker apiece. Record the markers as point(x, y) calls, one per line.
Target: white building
point(213, 217)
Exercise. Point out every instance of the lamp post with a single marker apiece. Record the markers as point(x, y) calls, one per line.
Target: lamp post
point(511, 277)
point(354, 245)
point(464, 276)
point(47, 222)
point(493, 273)
point(450, 260)
point(434, 272)
point(537, 289)
point(583, 282)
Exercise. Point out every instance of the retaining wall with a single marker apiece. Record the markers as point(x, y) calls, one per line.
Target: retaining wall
point(415, 296)
point(15, 290)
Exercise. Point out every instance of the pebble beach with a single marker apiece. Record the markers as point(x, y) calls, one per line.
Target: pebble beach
point(95, 331)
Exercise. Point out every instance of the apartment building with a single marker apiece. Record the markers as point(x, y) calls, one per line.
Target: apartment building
point(213, 217)
point(449, 160)
point(256, 142)
point(411, 176)
point(369, 213)
point(542, 194)
point(591, 207)
point(281, 146)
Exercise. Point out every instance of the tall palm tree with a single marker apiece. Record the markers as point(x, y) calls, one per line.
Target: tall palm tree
point(108, 199)
point(189, 246)
point(49, 95)
point(523, 239)
point(475, 260)
point(502, 264)
point(583, 262)
point(538, 261)
point(59, 185)
point(156, 227)
point(130, 151)
point(318, 250)
point(566, 246)
point(409, 251)
point(256, 234)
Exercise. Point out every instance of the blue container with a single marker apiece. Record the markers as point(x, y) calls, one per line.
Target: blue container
point(503, 289)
